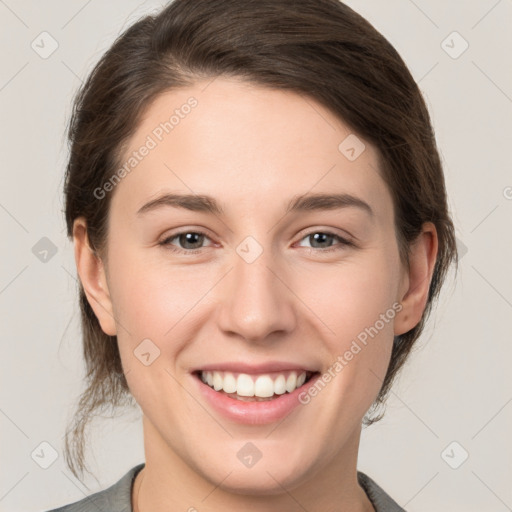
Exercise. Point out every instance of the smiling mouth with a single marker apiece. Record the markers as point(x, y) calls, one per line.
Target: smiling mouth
point(255, 388)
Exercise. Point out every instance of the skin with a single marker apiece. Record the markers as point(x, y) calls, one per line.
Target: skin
point(253, 149)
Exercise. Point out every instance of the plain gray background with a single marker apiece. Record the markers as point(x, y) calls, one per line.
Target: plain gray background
point(454, 396)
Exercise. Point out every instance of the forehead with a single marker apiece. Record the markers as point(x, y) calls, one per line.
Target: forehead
point(246, 145)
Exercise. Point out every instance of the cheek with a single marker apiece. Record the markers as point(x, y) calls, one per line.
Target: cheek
point(356, 305)
point(151, 297)
point(156, 301)
point(152, 302)
point(351, 298)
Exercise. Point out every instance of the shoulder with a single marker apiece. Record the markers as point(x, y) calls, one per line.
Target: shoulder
point(116, 498)
point(379, 498)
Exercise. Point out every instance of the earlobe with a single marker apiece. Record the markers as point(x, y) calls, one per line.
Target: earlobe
point(93, 278)
point(414, 294)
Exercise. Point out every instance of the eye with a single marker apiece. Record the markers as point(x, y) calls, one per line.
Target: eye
point(191, 241)
point(322, 237)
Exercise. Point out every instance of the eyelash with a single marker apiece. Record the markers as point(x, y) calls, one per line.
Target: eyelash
point(167, 242)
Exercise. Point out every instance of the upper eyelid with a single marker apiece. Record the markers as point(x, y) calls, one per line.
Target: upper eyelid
point(172, 236)
point(343, 240)
point(331, 231)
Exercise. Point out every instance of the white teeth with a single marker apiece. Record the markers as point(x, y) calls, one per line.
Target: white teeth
point(291, 382)
point(280, 385)
point(264, 386)
point(217, 381)
point(229, 385)
point(244, 385)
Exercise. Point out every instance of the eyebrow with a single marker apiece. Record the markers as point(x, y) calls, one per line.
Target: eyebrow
point(305, 202)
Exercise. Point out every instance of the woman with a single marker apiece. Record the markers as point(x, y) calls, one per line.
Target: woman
point(261, 229)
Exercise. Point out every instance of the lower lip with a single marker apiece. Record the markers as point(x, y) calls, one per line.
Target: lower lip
point(253, 413)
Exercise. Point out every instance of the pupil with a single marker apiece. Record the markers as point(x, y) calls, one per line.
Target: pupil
point(320, 235)
point(188, 238)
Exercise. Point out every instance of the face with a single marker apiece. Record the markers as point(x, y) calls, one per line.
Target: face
point(271, 282)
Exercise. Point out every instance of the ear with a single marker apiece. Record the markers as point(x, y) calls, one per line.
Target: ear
point(93, 278)
point(416, 282)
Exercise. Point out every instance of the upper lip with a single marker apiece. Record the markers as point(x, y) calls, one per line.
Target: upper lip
point(251, 368)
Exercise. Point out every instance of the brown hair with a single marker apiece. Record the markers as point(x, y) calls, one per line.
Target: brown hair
point(319, 48)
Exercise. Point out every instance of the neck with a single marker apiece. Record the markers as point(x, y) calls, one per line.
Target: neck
point(168, 483)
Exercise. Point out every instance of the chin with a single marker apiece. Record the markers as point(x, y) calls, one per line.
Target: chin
point(270, 475)
point(261, 483)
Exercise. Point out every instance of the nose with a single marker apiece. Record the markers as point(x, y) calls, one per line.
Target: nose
point(256, 303)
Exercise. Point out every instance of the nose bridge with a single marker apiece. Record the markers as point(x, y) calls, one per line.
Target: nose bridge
point(256, 302)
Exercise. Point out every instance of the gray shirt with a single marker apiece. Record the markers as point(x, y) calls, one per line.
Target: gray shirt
point(117, 498)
